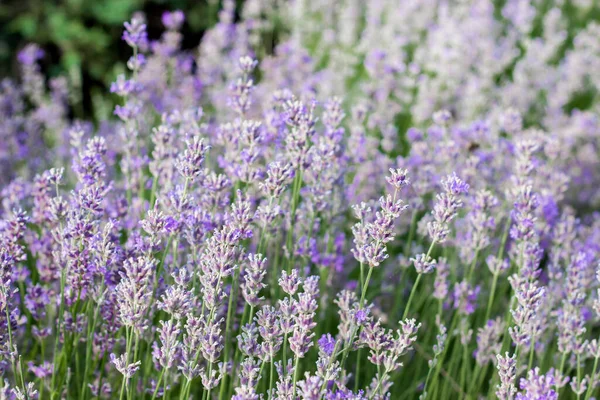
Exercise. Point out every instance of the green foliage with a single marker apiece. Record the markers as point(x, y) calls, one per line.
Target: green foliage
point(82, 38)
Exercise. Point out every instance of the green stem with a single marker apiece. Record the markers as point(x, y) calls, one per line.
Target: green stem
point(230, 307)
point(285, 337)
point(588, 393)
point(162, 372)
point(295, 198)
point(488, 309)
point(411, 232)
point(134, 358)
point(61, 311)
point(362, 274)
point(414, 288)
point(443, 355)
point(357, 373)
point(122, 388)
point(184, 390)
point(127, 352)
point(271, 379)
point(472, 267)
point(153, 191)
point(210, 367)
point(411, 296)
point(363, 295)
point(365, 287)
point(531, 354)
point(579, 373)
point(464, 369)
point(495, 281)
point(88, 350)
point(296, 367)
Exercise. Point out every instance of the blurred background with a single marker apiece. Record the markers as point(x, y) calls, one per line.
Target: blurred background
point(82, 38)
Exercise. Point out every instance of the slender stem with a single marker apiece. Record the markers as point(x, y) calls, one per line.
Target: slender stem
point(464, 368)
point(295, 198)
point(414, 288)
point(230, 307)
point(476, 377)
point(127, 352)
point(260, 374)
point(365, 287)
point(210, 367)
point(134, 358)
point(271, 380)
point(363, 295)
point(357, 373)
point(153, 191)
point(362, 274)
point(488, 309)
point(379, 381)
point(411, 232)
point(296, 367)
point(165, 387)
point(42, 380)
point(531, 354)
point(427, 381)
point(588, 393)
point(579, 373)
point(162, 372)
point(472, 267)
point(88, 350)
point(61, 311)
point(411, 296)
point(122, 388)
point(12, 348)
point(496, 274)
point(184, 390)
point(562, 363)
point(443, 355)
point(284, 360)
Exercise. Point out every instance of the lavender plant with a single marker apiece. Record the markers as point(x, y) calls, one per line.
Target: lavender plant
point(392, 200)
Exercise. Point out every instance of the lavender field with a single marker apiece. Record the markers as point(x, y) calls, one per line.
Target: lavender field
point(323, 199)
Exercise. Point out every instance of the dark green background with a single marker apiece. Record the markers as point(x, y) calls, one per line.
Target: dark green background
point(82, 38)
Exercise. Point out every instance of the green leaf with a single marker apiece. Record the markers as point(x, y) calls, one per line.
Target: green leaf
point(26, 25)
point(114, 12)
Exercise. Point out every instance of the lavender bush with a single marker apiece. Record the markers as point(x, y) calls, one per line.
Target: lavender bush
point(327, 200)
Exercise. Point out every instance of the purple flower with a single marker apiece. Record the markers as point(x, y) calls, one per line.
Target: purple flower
point(36, 300)
point(247, 64)
point(289, 282)
point(327, 344)
point(173, 20)
point(166, 354)
point(134, 292)
point(40, 371)
point(278, 176)
point(507, 366)
point(127, 370)
point(465, 297)
point(189, 164)
point(537, 386)
point(446, 207)
point(398, 178)
point(122, 86)
point(135, 32)
point(489, 341)
point(30, 54)
point(253, 279)
point(424, 264)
